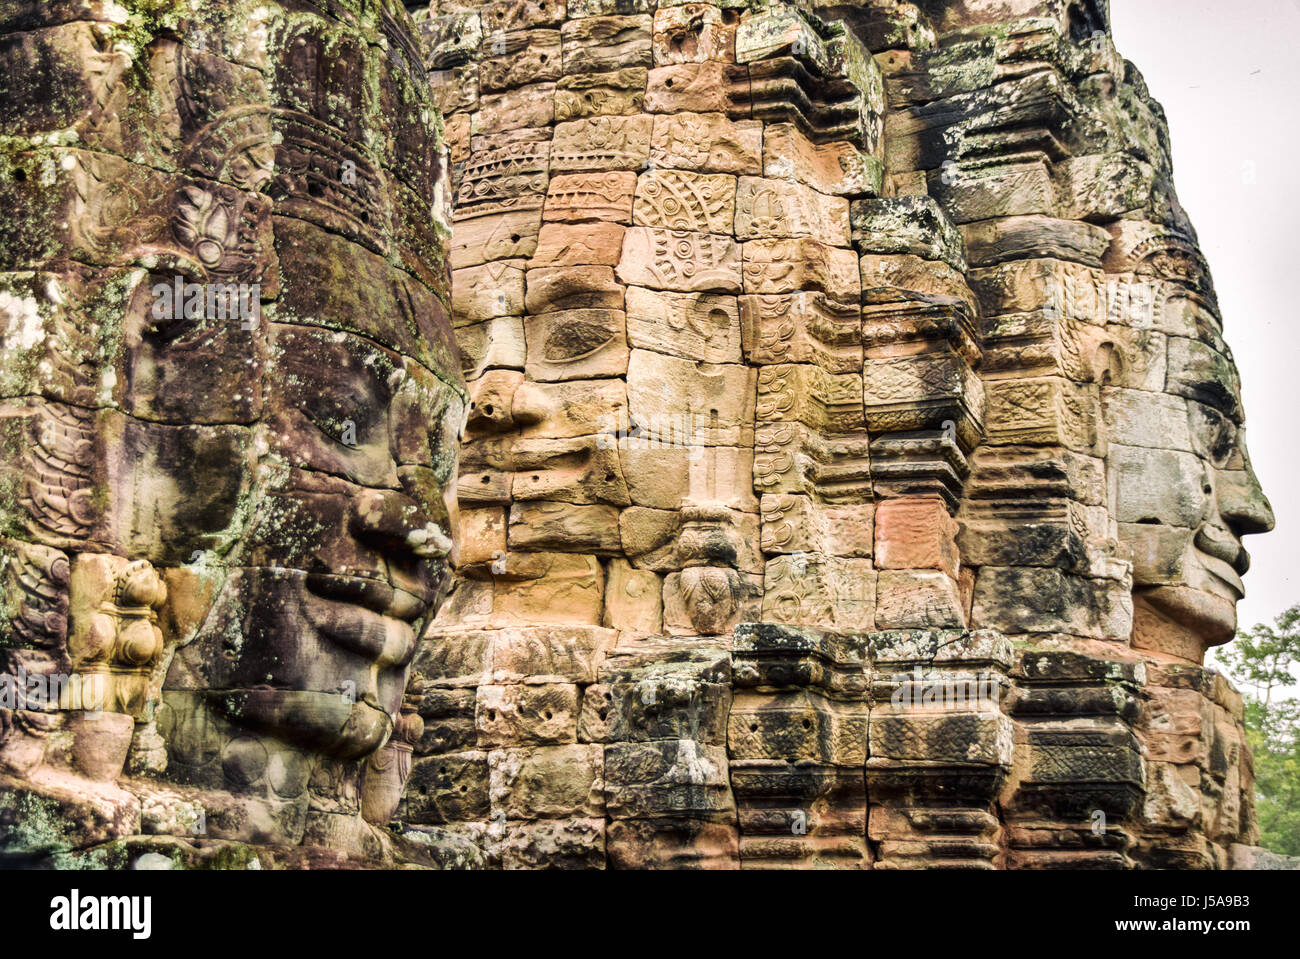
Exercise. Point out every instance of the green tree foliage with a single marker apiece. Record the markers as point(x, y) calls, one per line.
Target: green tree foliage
point(1263, 659)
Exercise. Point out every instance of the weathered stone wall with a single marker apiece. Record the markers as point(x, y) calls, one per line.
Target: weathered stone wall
point(222, 518)
point(851, 471)
point(875, 323)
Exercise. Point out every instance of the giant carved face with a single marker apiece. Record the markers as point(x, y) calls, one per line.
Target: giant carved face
point(233, 363)
point(1183, 490)
point(343, 554)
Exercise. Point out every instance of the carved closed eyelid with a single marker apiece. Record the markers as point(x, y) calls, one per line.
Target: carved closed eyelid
point(331, 414)
point(1214, 435)
point(576, 341)
point(1216, 397)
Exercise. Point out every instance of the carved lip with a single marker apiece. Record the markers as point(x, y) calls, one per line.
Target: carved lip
point(1219, 543)
point(369, 592)
point(1224, 558)
point(365, 616)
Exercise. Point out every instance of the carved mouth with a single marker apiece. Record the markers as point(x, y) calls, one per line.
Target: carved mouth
point(1221, 545)
point(1207, 606)
point(318, 720)
point(371, 592)
point(366, 616)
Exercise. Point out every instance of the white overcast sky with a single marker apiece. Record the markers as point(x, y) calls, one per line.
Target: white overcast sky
point(1228, 75)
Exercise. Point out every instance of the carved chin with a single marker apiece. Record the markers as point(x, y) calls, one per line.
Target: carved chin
point(366, 731)
point(322, 722)
point(1182, 621)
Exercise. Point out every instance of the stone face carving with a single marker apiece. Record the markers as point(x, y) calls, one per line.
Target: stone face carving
point(231, 406)
point(870, 368)
point(852, 470)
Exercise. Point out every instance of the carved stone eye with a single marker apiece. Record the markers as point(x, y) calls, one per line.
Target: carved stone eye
point(1214, 436)
point(574, 340)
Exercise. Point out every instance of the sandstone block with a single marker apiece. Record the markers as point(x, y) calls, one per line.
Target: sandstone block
point(677, 200)
point(520, 715)
point(703, 326)
point(707, 142)
point(916, 533)
point(702, 404)
point(554, 844)
point(477, 239)
point(781, 208)
point(488, 291)
point(708, 87)
point(519, 57)
point(601, 143)
point(548, 782)
point(810, 589)
point(522, 14)
point(551, 289)
point(800, 524)
point(564, 527)
point(578, 197)
point(596, 44)
point(692, 33)
point(837, 169)
point(918, 599)
point(527, 106)
point(679, 260)
point(802, 327)
point(576, 345)
point(549, 654)
point(801, 263)
point(579, 244)
point(633, 600)
point(563, 589)
point(666, 777)
point(614, 93)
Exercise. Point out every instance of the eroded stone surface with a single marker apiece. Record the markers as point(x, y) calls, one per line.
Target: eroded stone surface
point(850, 472)
point(233, 403)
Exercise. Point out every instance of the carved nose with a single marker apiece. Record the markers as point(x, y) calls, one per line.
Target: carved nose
point(493, 396)
point(531, 405)
point(395, 523)
point(490, 413)
point(1242, 502)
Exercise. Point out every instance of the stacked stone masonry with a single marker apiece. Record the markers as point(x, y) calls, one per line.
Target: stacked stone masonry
point(868, 323)
point(851, 468)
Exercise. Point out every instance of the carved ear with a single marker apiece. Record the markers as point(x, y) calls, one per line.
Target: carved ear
point(1109, 365)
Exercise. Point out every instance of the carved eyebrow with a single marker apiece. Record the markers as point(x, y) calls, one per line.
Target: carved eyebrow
point(1199, 372)
point(1213, 393)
